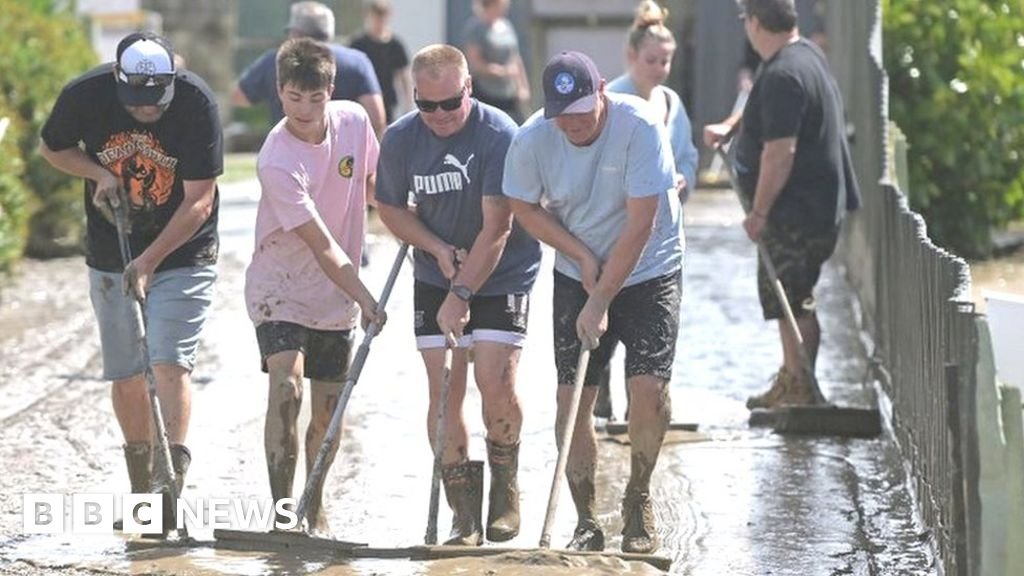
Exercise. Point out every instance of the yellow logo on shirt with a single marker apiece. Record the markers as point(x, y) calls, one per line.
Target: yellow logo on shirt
point(345, 166)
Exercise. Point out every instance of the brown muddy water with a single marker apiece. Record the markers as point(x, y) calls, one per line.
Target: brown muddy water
point(729, 499)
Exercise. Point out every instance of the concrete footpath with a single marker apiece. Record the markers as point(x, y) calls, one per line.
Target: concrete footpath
point(730, 500)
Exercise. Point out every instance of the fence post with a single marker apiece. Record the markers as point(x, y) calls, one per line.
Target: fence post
point(959, 528)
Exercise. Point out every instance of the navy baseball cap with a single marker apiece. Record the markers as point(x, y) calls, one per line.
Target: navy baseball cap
point(145, 70)
point(571, 82)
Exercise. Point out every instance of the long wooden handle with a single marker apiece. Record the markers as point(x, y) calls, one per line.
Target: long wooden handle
point(563, 446)
point(780, 292)
point(334, 428)
point(439, 442)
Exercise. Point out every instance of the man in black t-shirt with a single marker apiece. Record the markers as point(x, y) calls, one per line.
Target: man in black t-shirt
point(795, 175)
point(146, 138)
point(388, 56)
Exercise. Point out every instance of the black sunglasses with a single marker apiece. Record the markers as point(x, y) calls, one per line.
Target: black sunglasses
point(447, 105)
point(136, 80)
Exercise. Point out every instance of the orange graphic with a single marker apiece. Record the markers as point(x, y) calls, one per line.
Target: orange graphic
point(144, 168)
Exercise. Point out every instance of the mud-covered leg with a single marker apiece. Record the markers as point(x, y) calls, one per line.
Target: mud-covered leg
point(495, 370)
point(324, 400)
point(580, 470)
point(651, 411)
point(280, 437)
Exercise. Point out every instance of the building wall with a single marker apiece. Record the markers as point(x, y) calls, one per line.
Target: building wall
point(204, 33)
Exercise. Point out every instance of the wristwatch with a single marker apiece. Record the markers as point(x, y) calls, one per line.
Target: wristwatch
point(462, 292)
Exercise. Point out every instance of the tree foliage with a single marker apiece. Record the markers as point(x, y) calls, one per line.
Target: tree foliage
point(43, 47)
point(956, 87)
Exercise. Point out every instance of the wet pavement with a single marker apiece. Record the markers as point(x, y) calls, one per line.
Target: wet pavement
point(729, 499)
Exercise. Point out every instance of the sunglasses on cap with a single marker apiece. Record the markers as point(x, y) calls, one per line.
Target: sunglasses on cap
point(447, 105)
point(139, 80)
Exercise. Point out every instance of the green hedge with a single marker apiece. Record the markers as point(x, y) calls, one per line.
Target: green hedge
point(956, 86)
point(42, 48)
point(13, 194)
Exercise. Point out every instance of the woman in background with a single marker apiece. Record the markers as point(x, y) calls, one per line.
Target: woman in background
point(492, 50)
point(650, 47)
point(649, 50)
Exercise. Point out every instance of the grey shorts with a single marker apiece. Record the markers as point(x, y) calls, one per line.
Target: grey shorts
point(325, 353)
point(176, 308)
point(644, 317)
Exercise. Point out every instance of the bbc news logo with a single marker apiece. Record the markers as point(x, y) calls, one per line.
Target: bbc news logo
point(143, 513)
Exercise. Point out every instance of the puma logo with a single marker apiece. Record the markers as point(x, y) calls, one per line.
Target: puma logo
point(451, 160)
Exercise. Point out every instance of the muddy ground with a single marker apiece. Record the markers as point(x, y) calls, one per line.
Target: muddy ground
point(730, 499)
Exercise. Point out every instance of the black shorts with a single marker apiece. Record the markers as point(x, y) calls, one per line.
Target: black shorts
point(798, 257)
point(325, 353)
point(491, 318)
point(644, 317)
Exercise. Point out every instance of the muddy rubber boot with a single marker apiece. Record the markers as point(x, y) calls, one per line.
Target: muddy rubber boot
point(139, 458)
point(503, 500)
point(638, 532)
point(181, 458)
point(464, 488)
point(588, 535)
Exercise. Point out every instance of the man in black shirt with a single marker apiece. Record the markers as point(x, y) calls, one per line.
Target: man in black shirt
point(388, 56)
point(146, 138)
point(794, 172)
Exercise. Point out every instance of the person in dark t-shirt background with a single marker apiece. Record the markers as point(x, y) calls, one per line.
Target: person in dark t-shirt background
point(795, 174)
point(146, 138)
point(389, 58)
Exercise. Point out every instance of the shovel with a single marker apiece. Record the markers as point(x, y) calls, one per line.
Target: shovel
point(822, 418)
point(287, 540)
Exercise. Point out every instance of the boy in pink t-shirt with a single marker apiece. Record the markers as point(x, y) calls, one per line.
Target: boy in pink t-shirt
point(316, 169)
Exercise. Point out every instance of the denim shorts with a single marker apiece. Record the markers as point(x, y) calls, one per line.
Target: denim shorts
point(176, 307)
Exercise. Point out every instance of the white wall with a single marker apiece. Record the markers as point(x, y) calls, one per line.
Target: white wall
point(106, 6)
point(418, 22)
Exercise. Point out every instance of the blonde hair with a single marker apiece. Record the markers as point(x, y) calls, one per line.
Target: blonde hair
point(436, 59)
point(649, 22)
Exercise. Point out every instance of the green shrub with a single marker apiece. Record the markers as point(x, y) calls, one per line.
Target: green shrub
point(43, 48)
point(956, 87)
point(13, 196)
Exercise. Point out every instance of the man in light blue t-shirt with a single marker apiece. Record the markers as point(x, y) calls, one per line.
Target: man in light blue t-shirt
point(593, 177)
point(474, 271)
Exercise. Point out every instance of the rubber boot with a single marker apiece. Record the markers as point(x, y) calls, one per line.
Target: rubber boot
point(139, 458)
point(638, 532)
point(503, 500)
point(181, 458)
point(464, 488)
point(588, 534)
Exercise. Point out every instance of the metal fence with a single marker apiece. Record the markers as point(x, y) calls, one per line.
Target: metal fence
point(916, 305)
point(926, 348)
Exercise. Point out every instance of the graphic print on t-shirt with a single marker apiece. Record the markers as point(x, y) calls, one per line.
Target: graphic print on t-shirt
point(445, 181)
point(144, 168)
point(451, 160)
